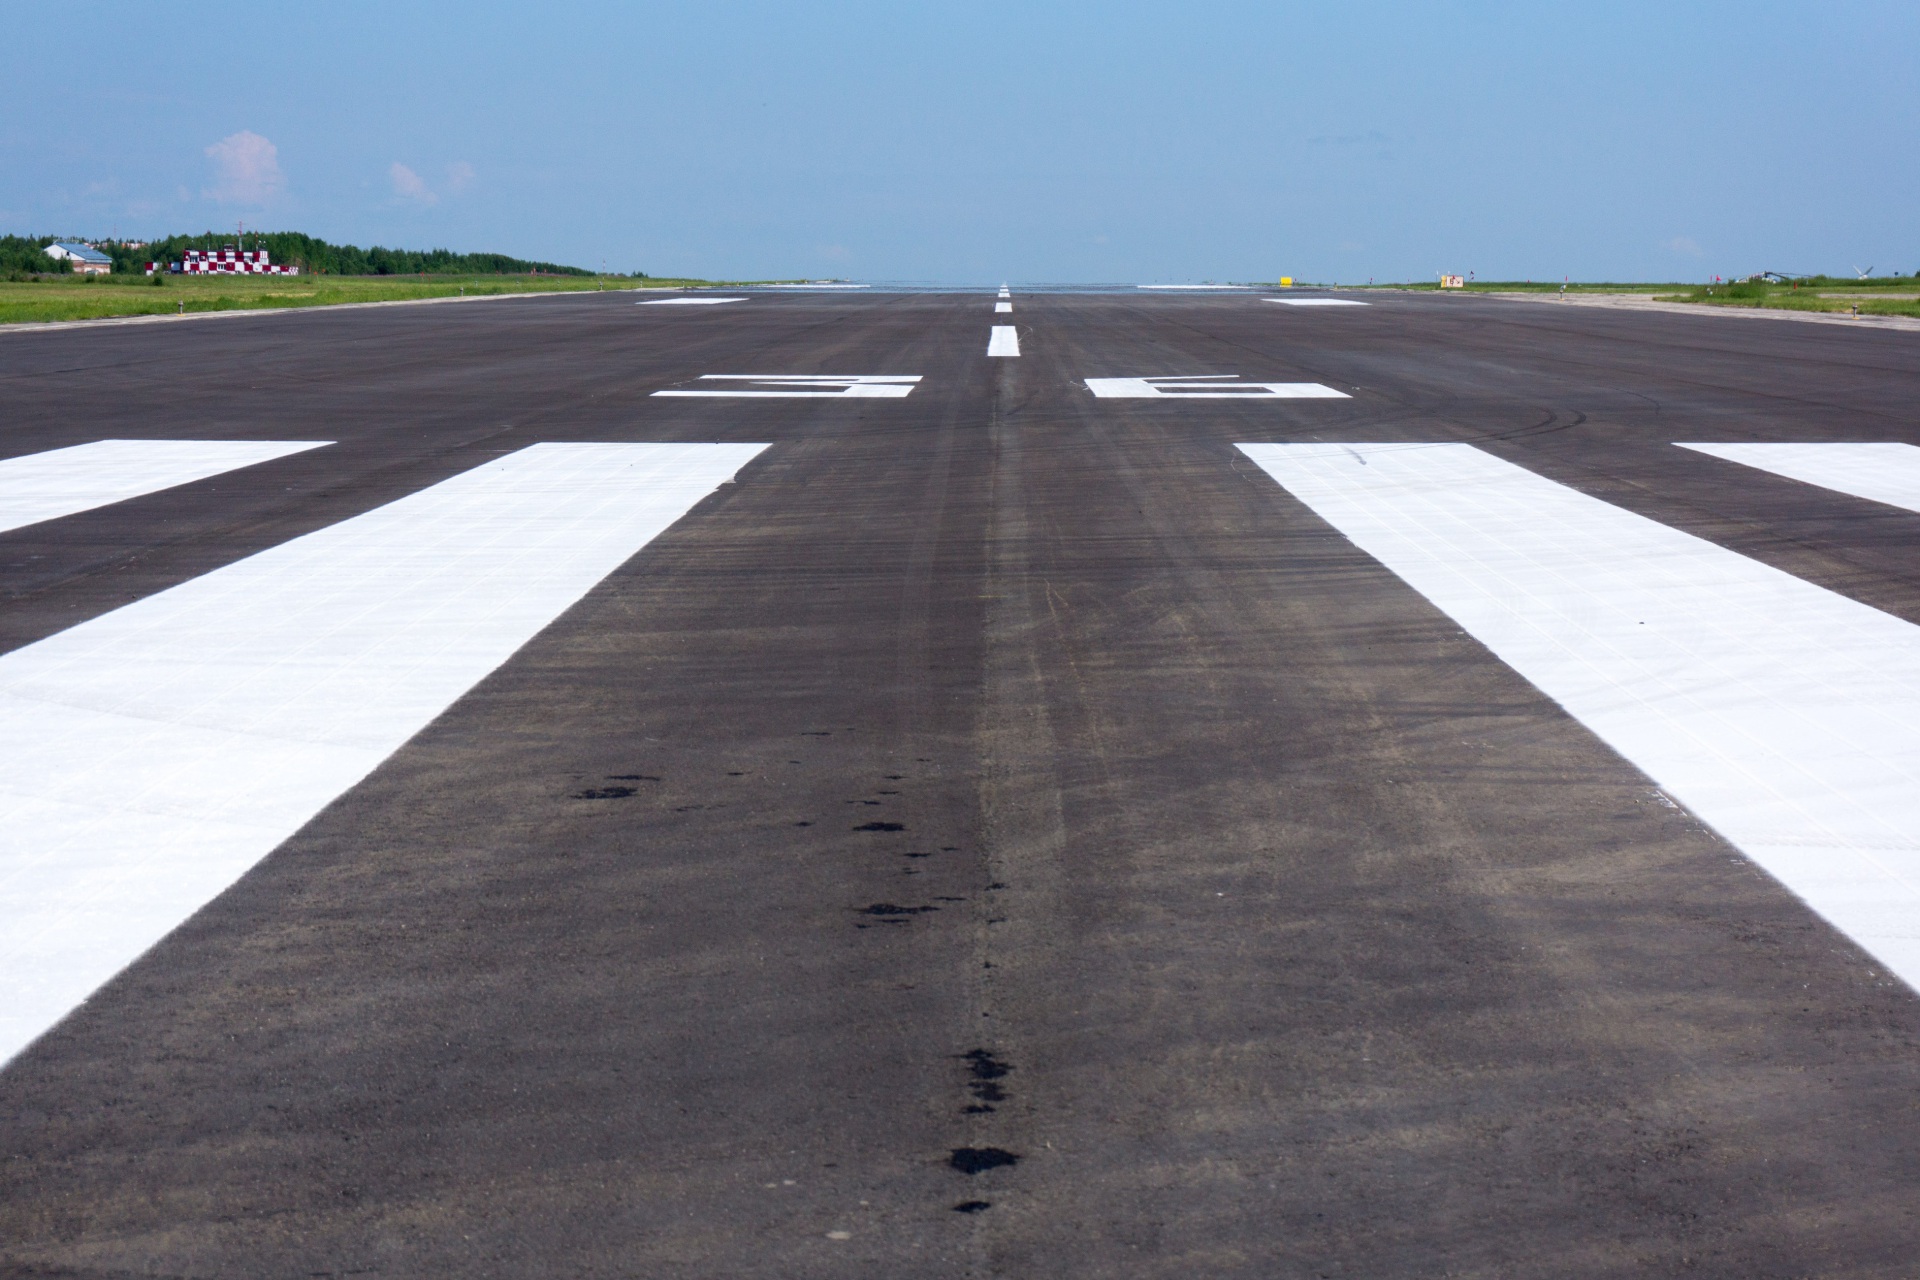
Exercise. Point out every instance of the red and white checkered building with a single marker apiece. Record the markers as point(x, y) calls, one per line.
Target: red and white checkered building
point(227, 262)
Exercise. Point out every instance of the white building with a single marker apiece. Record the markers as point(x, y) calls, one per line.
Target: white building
point(86, 259)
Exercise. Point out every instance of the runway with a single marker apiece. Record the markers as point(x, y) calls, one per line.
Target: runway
point(852, 783)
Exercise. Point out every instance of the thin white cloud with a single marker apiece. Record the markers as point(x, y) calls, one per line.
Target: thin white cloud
point(460, 176)
point(246, 169)
point(409, 185)
point(1682, 244)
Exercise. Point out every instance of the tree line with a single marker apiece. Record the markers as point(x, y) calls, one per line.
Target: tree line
point(20, 254)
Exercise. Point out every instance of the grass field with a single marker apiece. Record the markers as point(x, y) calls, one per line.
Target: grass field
point(67, 297)
point(1878, 296)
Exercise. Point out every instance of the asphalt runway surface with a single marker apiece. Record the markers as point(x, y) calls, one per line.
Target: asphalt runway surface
point(1002, 831)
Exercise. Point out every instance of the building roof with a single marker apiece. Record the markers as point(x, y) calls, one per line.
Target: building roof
point(62, 249)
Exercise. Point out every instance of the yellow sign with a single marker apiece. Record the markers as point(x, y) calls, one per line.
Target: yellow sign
point(1286, 282)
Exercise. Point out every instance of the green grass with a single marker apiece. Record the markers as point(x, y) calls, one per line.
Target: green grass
point(1875, 297)
point(70, 297)
point(1538, 286)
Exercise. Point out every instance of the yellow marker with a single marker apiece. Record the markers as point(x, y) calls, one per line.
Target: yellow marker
point(1286, 282)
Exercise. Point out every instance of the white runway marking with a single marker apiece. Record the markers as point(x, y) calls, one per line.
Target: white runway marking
point(1003, 308)
point(1193, 286)
point(1004, 342)
point(156, 753)
point(876, 386)
point(686, 302)
point(1783, 714)
point(813, 286)
point(62, 482)
point(1004, 292)
point(1318, 302)
point(1888, 473)
point(1209, 387)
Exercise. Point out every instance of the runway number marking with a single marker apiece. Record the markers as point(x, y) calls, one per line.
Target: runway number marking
point(81, 477)
point(876, 386)
point(1209, 387)
point(156, 753)
point(1783, 714)
point(1878, 472)
point(1005, 341)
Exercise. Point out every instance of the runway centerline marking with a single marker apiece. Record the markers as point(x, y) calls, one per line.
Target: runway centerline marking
point(1003, 308)
point(1004, 342)
point(873, 386)
point(686, 302)
point(1317, 302)
point(82, 477)
point(1878, 472)
point(158, 752)
point(1784, 715)
point(1208, 386)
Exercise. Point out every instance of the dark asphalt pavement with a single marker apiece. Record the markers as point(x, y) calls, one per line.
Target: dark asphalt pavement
point(1053, 850)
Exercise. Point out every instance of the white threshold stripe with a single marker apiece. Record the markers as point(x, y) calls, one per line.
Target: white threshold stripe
point(1783, 714)
point(158, 752)
point(1003, 308)
point(1004, 342)
point(63, 482)
point(686, 302)
point(1318, 302)
point(1878, 472)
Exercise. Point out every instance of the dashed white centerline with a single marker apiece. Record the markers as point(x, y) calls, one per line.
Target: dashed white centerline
point(1003, 308)
point(1004, 342)
point(686, 302)
point(1317, 302)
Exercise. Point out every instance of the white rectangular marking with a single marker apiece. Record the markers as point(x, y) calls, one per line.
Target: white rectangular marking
point(156, 753)
point(1004, 342)
point(1003, 308)
point(1209, 387)
point(1193, 286)
point(1783, 714)
point(873, 386)
point(62, 482)
point(1318, 302)
point(1888, 473)
point(686, 302)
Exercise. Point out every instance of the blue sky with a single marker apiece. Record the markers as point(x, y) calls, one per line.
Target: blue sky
point(985, 141)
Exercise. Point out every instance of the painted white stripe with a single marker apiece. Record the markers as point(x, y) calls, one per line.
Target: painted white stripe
point(1004, 292)
point(1004, 342)
point(1003, 308)
point(156, 753)
point(1193, 286)
point(1209, 387)
point(1888, 473)
point(61, 482)
point(687, 302)
point(1318, 302)
point(873, 386)
point(1783, 714)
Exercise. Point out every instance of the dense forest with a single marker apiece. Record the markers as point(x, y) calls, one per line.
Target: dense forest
point(20, 254)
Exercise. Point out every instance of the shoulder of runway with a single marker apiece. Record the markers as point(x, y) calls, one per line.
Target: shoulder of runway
point(49, 326)
point(1637, 302)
